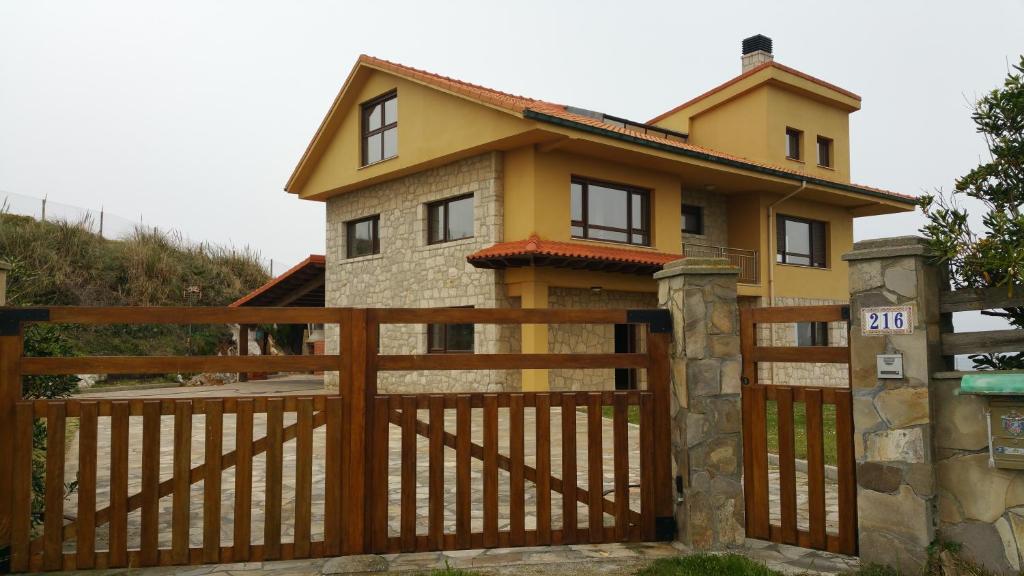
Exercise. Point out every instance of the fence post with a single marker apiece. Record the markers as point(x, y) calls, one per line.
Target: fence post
point(704, 359)
point(11, 345)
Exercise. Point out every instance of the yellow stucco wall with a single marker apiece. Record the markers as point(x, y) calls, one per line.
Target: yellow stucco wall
point(738, 126)
point(431, 126)
point(813, 118)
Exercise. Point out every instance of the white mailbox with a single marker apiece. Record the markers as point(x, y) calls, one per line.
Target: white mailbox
point(890, 365)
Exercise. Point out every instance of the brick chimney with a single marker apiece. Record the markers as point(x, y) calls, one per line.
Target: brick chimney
point(756, 51)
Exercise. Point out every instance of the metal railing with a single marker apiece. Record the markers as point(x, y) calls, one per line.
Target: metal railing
point(745, 260)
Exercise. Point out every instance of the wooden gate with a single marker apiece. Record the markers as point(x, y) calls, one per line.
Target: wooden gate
point(338, 454)
point(822, 516)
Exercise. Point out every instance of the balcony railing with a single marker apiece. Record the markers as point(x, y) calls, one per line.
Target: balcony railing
point(745, 260)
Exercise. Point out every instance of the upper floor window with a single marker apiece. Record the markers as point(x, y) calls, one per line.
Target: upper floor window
point(812, 334)
point(824, 152)
point(380, 128)
point(611, 212)
point(793, 138)
point(450, 219)
point(800, 241)
point(693, 219)
point(362, 237)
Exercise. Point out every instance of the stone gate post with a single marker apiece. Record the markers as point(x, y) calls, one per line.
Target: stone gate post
point(705, 413)
point(893, 417)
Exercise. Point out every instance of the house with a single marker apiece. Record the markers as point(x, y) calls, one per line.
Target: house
point(442, 193)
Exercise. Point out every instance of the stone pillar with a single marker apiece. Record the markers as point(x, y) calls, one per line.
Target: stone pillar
point(893, 418)
point(4, 268)
point(706, 421)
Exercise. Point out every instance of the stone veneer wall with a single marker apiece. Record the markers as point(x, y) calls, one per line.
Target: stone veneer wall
point(716, 226)
point(591, 338)
point(705, 413)
point(802, 374)
point(410, 273)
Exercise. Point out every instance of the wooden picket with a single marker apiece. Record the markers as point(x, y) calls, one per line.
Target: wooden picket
point(356, 422)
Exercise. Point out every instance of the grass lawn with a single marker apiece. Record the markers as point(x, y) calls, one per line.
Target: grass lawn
point(800, 430)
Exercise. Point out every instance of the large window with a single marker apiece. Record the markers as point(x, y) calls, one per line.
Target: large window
point(611, 212)
point(824, 152)
point(380, 128)
point(450, 219)
point(800, 241)
point(793, 138)
point(693, 219)
point(812, 334)
point(362, 237)
point(449, 338)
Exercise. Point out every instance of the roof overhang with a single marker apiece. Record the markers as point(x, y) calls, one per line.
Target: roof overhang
point(301, 286)
point(573, 256)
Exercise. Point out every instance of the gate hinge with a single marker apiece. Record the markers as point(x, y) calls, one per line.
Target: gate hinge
point(664, 528)
point(659, 320)
point(11, 318)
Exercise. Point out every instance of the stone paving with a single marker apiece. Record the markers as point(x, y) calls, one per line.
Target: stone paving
point(802, 521)
point(607, 559)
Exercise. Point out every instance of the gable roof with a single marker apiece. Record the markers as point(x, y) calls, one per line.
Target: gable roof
point(558, 114)
point(301, 285)
point(748, 74)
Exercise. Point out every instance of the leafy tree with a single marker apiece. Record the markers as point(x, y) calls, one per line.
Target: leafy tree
point(996, 257)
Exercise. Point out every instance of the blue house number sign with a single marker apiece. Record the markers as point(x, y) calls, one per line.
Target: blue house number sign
point(887, 320)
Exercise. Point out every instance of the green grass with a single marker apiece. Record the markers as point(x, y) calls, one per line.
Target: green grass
point(707, 565)
point(800, 430)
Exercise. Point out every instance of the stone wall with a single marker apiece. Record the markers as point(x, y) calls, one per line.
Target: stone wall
point(802, 374)
point(716, 227)
point(591, 338)
point(408, 272)
point(705, 413)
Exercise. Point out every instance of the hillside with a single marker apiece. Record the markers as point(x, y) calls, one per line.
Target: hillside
point(62, 263)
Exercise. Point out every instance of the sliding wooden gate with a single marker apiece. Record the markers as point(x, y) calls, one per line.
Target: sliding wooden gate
point(166, 463)
point(822, 513)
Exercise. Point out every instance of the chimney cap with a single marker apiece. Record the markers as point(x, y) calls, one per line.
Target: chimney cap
point(756, 43)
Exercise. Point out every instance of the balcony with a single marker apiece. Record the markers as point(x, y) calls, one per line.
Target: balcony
point(745, 260)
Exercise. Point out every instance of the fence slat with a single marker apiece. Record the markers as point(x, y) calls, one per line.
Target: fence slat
point(787, 464)
point(332, 478)
point(490, 471)
point(378, 490)
point(647, 526)
point(542, 414)
point(844, 464)
point(569, 480)
point(21, 506)
point(272, 489)
point(815, 468)
point(53, 522)
point(517, 486)
point(408, 497)
point(595, 468)
point(118, 555)
point(303, 478)
point(212, 451)
point(182, 466)
point(150, 516)
point(435, 511)
point(621, 462)
point(463, 488)
point(243, 481)
point(85, 538)
point(756, 449)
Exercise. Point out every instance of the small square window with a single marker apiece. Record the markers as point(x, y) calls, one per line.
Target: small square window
point(693, 219)
point(362, 237)
point(380, 129)
point(450, 338)
point(450, 219)
point(812, 334)
point(824, 152)
point(793, 138)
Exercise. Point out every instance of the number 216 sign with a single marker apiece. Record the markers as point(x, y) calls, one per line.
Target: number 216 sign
point(887, 320)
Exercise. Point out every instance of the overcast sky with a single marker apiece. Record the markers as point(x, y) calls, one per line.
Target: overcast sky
point(193, 114)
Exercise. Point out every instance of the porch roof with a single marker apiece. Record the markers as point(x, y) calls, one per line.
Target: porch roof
point(302, 285)
point(537, 252)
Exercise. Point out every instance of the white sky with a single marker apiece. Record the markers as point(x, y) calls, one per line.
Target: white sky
point(192, 114)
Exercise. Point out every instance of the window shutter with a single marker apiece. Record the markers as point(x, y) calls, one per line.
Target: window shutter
point(780, 236)
point(818, 244)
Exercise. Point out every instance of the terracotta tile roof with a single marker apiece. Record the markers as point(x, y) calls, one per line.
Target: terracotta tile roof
point(522, 104)
point(749, 73)
point(302, 272)
point(537, 252)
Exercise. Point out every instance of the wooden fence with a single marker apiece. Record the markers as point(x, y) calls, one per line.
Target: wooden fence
point(354, 427)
